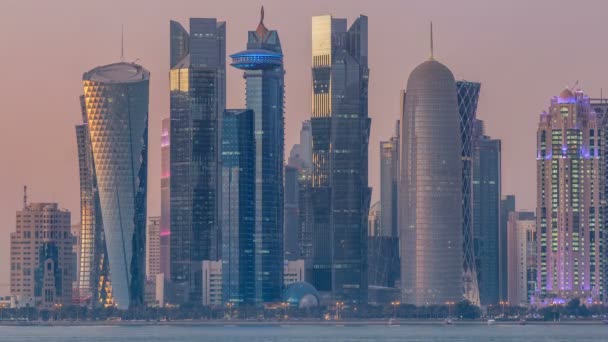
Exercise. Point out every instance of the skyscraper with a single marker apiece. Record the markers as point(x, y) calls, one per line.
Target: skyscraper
point(94, 285)
point(42, 259)
point(165, 198)
point(153, 248)
point(569, 193)
point(522, 246)
point(340, 195)
point(486, 215)
point(238, 208)
point(116, 103)
point(468, 97)
point(389, 178)
point(507, 205)
point(197, 101)
point(291, 217)
point(264, 75)
point(431, 188)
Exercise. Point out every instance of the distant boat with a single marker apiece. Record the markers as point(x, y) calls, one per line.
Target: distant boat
point(449, 321)
point(491, 322)
point(522, 322)
point(391, 322)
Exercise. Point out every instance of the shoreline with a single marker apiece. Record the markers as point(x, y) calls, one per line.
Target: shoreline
point(246, 323)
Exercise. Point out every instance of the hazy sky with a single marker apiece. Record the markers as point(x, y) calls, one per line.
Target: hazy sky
point(523, 52)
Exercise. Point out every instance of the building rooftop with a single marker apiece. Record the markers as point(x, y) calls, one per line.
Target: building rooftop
point(117, 73)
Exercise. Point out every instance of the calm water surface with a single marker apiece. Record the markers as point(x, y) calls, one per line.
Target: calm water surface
point(500, 333)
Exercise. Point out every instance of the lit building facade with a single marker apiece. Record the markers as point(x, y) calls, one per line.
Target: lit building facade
point(468, 97)
point(431, 239)
point(238, 207)
point(165, 198)
point(211, 283)
point(340, 124)
point(486, 215)
point(522, 245)
point(116, 104)
point(569, 219)
point(264, 75)
point(197, 101)
point(94, 287)
point(42, 258)
point(507, 205)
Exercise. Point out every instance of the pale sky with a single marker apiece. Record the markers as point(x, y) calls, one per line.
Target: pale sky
point(523, 52)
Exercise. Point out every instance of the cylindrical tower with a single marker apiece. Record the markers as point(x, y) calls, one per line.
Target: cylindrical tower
point(431, 188)
point(116, 104)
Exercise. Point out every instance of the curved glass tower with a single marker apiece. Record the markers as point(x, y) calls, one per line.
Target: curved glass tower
point(116, 104)
point(264, 77)
point(431, 188)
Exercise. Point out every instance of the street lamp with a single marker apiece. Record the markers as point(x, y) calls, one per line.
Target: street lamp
point(394, 304)
point(449, 304)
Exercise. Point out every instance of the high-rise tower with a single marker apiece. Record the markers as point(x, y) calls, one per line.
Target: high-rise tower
point(340, 195)
point(569, 219)
point(197, 101)
point(116, 103)
point(468, 97)
point(264, 75)
point(165, 198)
point(431, 188)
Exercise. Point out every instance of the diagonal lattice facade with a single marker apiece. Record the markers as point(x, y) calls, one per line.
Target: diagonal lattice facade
point(116, 103)
point(468, 96)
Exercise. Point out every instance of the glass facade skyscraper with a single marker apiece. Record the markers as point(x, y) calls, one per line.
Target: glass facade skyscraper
point(197, 101)
point(507, 205)
point(571, 233)
point(431, 239)
point(389, 178)
point(238, 207)
point(264, 75)
point(486, 216)
point(340, 195)
point(468, 97)
point(94, 286)
point(116, 103)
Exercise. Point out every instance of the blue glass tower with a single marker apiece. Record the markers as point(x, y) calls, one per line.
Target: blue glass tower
point(486, 215)
point(340, 124)
point(197, 101)
point(238, 207)
point(264, 77)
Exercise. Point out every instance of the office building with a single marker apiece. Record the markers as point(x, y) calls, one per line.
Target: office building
point(238, 207)
point(468, 97)
point(507, 205)
point(262, 63)
point(153, 248)
point(211, 283)
point(165, 198)
point(522, 245)
point(197, 101)
point(486, 215)
point(570, 188)
point(42, 258)
point(293, 272)
point(116, 104)
point(291, 207)
point(389, 179)
point(340, 125)
point(431, 241)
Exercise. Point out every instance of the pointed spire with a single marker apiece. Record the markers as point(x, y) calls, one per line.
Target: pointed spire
point(261, 30)
point(431, 57)
point(122, 43)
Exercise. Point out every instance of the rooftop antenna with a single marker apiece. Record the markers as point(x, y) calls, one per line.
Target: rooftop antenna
point(431, 40)
point(122, 43)
point(25, 196)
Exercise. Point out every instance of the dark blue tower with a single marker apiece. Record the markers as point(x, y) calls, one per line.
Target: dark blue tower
point(264, 77)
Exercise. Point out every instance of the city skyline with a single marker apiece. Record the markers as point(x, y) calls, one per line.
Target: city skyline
point(65, 171)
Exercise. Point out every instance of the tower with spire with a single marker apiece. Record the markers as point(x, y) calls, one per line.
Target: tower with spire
point(262, 63)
